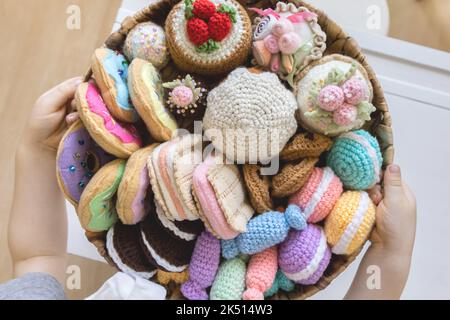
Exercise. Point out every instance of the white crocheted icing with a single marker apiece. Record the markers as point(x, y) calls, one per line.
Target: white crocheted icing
point(171, 226)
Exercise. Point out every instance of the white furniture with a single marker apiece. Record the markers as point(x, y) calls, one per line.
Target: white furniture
point(416, 81)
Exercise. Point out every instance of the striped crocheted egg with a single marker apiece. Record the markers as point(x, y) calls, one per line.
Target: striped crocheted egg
point(356, 158)
point(304, 255)
point(349, 224)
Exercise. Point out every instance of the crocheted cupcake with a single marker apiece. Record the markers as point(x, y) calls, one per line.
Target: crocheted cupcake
point(349, 224)
point(356, 158)
point(287, 39)
point(229, 283)
point(334, 95)
point(305, 255)
point(208, 36)
point(250, 116)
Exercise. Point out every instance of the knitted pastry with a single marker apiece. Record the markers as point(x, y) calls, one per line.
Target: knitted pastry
point(287, 39)
point(261, 272)
point(221, 197)
point(122, 243)
point(349, 224)
point(250, 116)
point(230, 281)
point(334, 95)
point(97, 207)
point(318, 196)
point(208, 37)
point(116, 138)
point(306, 145)
point(110, 70)
point(356, 158)
point(203, 267)
point(147, 94)
point(292, 177)
point(164, 278)
point(281, 283)
point(305, 255)
point(79, 158)
point(147, 41)
point(133, 188)
point(258, 188)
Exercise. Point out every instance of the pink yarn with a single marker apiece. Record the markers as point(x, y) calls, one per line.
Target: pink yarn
point(331, 98)
point(289, 43)
point(354, 91)
point(275, 63)
point(271, 44)
point(182, 96)
point(261, 273)
point(282, 27)
point(345, 115)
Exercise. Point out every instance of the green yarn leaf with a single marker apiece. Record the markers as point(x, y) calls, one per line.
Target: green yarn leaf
point(209, 46)
point(350, 73)
point(335, 77)
point(298, 57)
point(230, 11)
point(189, 12)
point(365, 109)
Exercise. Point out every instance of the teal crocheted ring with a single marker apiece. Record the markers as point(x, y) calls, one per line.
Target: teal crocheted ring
point(356, 159)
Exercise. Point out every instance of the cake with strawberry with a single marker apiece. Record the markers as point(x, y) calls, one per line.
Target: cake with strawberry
point(209, 37)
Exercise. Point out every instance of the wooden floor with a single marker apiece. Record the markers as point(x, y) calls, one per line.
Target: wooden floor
point(38, 51)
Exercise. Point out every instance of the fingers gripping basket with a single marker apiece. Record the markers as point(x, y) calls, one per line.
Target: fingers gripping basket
point(338, 42)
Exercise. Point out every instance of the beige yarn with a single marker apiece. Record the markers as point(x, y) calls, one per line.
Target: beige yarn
point(250, 116)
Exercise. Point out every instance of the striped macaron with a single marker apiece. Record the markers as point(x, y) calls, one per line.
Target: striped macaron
point(304, 255)
point(349, 224)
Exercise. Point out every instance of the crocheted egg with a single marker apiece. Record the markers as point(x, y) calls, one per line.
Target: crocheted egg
point(334, 95)
point(250, 116)
point(230, 281)
point(304, 255)
point(349, 224)
point(356, 159)
point(147, 41)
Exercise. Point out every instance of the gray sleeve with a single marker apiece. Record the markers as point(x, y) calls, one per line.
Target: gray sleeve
point(32, 286)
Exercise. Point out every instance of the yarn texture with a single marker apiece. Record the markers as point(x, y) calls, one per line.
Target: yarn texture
point(281, 283)
point(230, 281)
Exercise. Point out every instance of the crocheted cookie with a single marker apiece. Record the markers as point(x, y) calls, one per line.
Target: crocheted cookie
point(229, 283)
point(356, 158)
point(147, 41)
point(119, 139)
point(349, 224)
point(305, 255)
point(250, 116)
point(147, 94)
point(110, 70)
point(292, 177)
point(287, 39)
point(306, 145)
point(122, 243)
point(208, 37)
point(133, 188)
point(79, 158)
point(334, 95)
point(258, 188)
point(97, 207)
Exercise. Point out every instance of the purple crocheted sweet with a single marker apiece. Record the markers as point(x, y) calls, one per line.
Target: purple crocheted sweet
point(203, 267)
point(304, 255)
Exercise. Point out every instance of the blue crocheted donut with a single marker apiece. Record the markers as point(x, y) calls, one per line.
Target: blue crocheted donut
point(356, 159)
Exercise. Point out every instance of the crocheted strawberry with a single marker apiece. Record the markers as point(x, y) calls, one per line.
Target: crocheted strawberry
point(197, 30)
point(204, 9)
point(219, 26)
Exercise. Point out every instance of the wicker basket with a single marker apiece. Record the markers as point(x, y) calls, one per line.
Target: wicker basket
point(337, 42)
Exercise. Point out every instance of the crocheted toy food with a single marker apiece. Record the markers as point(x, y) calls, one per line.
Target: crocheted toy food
point(79, 158)
point(349, 224)
point(250, 116)
point(318, 196)
point(123, 246)
point(147, 41)
point(97, 208)
point(203, 267)
point(334, 95)
point(258, 188)
point(229, 283)
point(132, 190)
point(287, 39)
point(306, 145)
point(305, 255)
point(110, 70)
point(281, 283)
point(147, 94)
point(119, 139)
point(220, 194)
point(165, 278)
point(208, 37)
point(356, 158)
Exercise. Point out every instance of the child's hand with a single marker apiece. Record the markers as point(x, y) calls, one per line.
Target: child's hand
point(47, 122)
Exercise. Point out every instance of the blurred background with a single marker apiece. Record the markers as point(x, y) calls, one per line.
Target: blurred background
point(40, 49)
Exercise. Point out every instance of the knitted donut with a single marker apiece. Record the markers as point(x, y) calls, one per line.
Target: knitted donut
point(356, 158)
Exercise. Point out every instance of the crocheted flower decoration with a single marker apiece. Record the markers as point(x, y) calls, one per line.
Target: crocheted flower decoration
point(207, 24)
point(340, 99)
point(185, 95)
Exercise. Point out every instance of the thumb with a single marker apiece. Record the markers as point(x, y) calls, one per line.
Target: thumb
point(393, 185)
